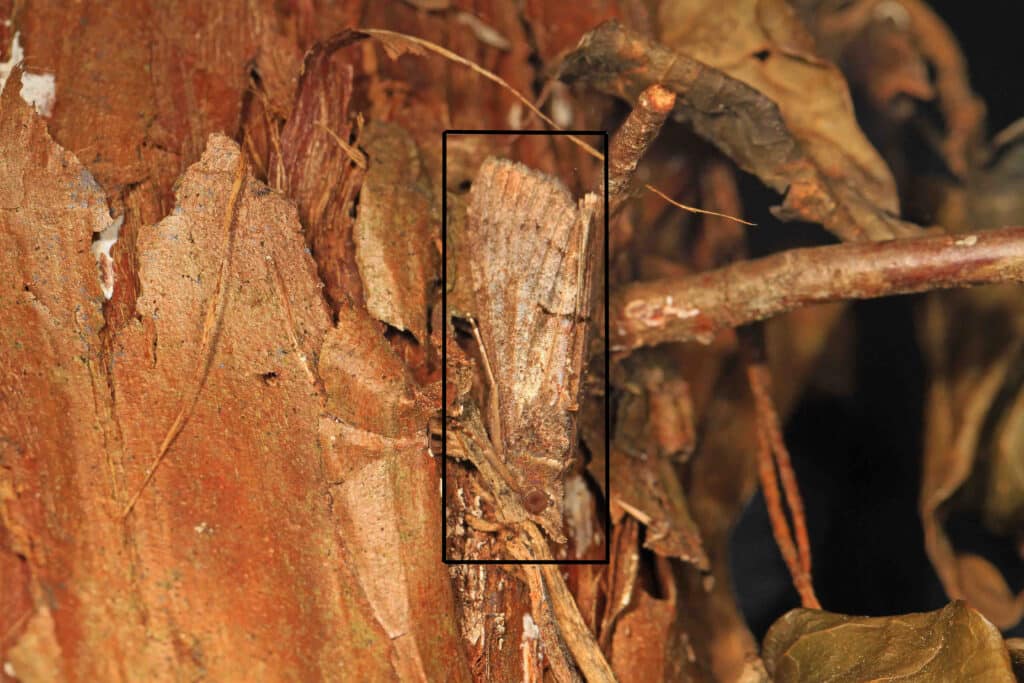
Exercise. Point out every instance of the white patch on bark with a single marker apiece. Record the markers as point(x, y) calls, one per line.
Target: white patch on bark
point(101, 244)
point(578, 510)
point(37, 89)
point(533, 655)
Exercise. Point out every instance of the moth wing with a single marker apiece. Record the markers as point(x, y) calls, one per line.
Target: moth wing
point(527, 239)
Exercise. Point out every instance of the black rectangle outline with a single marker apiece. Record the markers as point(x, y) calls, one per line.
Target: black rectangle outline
point(444, 348)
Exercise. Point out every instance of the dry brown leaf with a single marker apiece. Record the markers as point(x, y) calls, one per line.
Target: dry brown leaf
point(647, 488)
point(1016, 648)
point(643, 635)
point(972, 461)
point(954, 643)
point(914, 40)
point(1003, 504)
point(622, 577)
point(723, 478)
point(764, 44)
point(639, 646)
point(992, 197)
point(971, 426)
point(655, 430)
point(987, 591)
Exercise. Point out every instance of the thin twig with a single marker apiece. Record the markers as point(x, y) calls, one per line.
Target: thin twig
point(211, 323)
point(395, 43)
point(771, 454)
point(542, 99)
point(773, 503)
point(695, 307)
point(354, 154)
point(493, 400)
point(964, 112)
point(693, 209)
point(394, 40)
point(631, 140)
point(290, 328)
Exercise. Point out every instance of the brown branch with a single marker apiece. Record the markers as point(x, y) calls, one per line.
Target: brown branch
point(631, 140)
point(695, 307)
point(745, 124)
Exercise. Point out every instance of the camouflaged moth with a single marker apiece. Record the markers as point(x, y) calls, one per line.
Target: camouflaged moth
point(530, 250)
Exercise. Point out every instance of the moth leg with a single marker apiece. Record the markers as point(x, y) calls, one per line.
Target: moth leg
point(483, 525)
point(493, 416)
point(512, 506)
point(478, 449)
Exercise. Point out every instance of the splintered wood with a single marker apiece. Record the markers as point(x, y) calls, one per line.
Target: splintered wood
point(530, 250)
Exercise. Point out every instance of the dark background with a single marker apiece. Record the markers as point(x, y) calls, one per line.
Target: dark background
point(857, 456)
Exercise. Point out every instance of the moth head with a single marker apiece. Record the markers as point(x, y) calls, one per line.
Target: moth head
point(536, 501)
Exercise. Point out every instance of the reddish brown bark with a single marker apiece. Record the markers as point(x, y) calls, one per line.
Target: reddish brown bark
point(229, 470)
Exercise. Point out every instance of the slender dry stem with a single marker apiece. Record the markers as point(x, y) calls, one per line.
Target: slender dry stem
point(774, 465)
point(695, 307)
point(631, 140)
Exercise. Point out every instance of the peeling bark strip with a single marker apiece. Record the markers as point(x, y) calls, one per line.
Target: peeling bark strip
point(211, 322)
point(695, 307)
point(531, 273)
point(391, 235)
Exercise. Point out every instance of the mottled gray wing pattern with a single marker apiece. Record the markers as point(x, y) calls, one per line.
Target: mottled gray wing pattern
point(527, 237)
